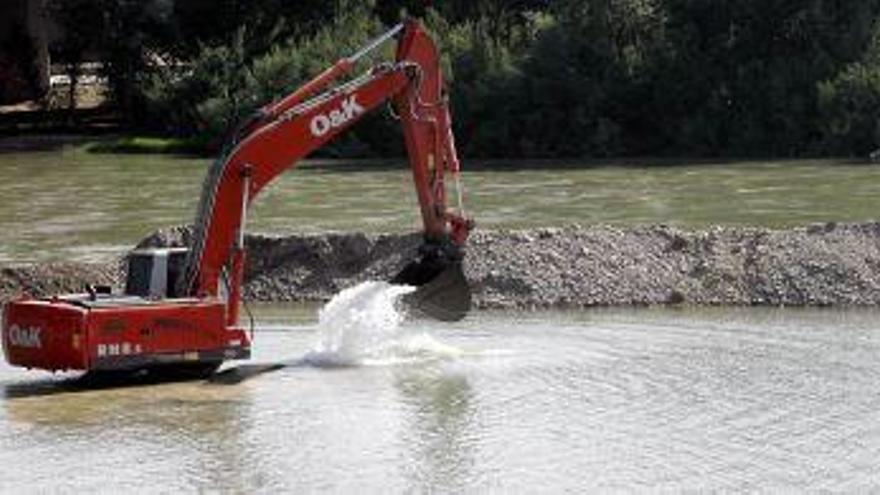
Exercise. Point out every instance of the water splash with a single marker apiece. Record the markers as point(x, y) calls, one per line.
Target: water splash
point(362, 325)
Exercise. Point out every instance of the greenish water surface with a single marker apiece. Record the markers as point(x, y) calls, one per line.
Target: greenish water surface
point(70, 204)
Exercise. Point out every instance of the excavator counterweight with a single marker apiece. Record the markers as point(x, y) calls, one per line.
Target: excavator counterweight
point(180, 307)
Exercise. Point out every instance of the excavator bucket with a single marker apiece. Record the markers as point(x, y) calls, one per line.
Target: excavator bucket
point(446, 298)
point(442, 291)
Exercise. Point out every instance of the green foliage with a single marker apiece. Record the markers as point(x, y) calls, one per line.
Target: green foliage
point(482, 74)
point(225, 83)
point(216, 22)
point(126, 34)
point(136, 32)
point(740, 76)
point(585, 72)
point(145, 145)
point(528, 78)
point(556, 89)
point(849, 105)
point(207, 96)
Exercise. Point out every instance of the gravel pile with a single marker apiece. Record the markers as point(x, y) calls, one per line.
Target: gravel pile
point(55, 278)
point(814, 266)
point(819, 265)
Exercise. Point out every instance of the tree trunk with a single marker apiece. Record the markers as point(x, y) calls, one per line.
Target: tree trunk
point(73, 75)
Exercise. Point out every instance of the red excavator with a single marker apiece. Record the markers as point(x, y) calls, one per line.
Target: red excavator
point(180, 307)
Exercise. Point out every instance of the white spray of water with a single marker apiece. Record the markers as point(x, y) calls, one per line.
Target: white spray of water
point(362, 325)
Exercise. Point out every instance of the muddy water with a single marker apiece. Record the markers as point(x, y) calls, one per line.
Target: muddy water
point(631, 399)
point(635, 399)
point(70, 204)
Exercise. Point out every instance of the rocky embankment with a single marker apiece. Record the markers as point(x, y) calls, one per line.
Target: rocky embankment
point(824, 264)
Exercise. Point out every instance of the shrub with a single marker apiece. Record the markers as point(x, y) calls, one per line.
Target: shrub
point(850, 110)
point(226, 83)
point(849, 105)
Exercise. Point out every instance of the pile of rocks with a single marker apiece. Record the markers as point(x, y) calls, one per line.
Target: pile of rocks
point(575, 266)
point(56, 278)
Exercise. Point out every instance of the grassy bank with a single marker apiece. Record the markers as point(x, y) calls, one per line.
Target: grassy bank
point(139, 144)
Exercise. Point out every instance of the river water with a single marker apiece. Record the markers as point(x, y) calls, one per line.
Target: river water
point(618, 399)
point(627, 399)
point(70, 204)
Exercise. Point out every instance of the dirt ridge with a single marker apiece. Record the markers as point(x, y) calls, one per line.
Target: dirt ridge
point(576, 266)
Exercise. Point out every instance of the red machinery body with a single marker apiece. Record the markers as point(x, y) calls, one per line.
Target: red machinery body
point(122, 333)
point(181, 307)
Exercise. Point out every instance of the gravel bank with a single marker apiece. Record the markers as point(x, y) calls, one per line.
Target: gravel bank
point(819, 265)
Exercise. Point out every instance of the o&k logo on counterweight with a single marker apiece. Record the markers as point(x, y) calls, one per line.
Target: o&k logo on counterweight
point(25, 337)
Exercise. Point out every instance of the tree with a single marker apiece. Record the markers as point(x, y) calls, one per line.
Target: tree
point(19, 74)
point(849, 105)
point(740, 77)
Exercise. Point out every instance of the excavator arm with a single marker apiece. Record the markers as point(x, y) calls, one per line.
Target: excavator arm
point(282, 133)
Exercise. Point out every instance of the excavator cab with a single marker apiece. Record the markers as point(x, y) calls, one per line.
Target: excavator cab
point(155, 272)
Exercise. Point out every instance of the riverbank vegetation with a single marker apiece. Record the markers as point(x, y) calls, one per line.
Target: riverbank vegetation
point(528, 78)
